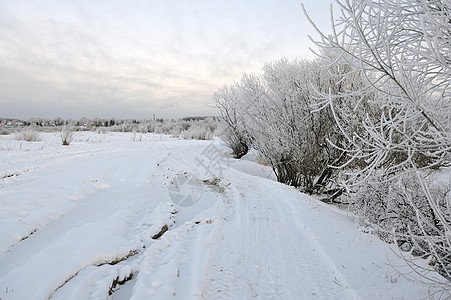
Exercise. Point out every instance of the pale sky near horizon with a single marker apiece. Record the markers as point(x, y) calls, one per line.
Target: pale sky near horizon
point(131, 59)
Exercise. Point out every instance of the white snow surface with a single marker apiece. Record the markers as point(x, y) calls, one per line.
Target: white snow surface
point(76, 220)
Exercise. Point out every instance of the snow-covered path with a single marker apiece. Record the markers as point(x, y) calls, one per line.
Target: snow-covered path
point(77, 223)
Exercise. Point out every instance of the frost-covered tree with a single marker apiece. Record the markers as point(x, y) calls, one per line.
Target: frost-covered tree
point(402, 48)
point(293, 137)
point(233, 103)
point(275, 113)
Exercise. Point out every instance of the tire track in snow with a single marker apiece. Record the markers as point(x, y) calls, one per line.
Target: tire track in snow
point(85, 225)
point(312, 264)
point(46, 161)
point(52, 156)
point(59, 160)
point(241, 261)
point(224, 254)
point(307, 254)
point(251, 244)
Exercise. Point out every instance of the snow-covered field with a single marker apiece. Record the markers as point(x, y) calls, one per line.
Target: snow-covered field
point(81, 222)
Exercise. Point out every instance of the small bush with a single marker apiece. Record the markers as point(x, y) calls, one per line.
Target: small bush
point(196, 132)
point(67, 135)
point(235, 141)
point(399, 210)
point(4, 131)
point(28, 135)
point(137, 137)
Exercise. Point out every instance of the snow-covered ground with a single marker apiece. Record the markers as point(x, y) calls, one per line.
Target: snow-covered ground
point(82, 222)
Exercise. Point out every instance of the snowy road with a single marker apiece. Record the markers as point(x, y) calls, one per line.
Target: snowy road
point(77, 223)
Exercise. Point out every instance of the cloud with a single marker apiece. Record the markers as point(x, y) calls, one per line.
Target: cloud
point(125, 58)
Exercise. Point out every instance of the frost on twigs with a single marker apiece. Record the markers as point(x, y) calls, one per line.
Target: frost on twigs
point(402, 51)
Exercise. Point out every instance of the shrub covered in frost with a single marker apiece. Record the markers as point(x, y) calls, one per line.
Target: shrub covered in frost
point(28, 135)
point(399, 209)
point(403, 50)
point(4, 131)
point(67, 134)
point(197, 132)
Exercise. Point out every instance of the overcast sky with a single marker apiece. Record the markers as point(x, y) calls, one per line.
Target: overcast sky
point(131, 59)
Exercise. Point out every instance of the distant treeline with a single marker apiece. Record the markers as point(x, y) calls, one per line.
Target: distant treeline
point(89, 123)
point(201, 128)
